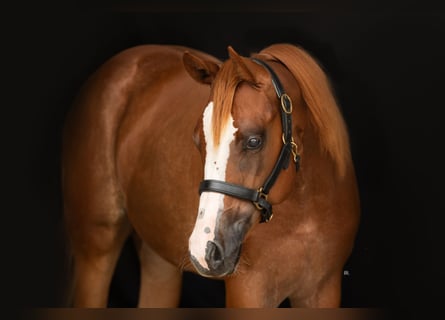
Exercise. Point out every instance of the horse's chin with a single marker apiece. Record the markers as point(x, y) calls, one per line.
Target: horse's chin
point(212, 275)
point(224, 271)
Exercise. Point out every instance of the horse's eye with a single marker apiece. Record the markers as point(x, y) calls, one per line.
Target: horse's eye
point(254, 142)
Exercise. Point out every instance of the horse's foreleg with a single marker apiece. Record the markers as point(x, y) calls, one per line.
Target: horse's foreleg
point(325, 295)
point(161, 281)
point(95, 255)
point(250, 292)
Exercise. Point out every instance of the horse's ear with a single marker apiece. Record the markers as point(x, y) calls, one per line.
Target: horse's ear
point(203, 71)
point(242, 66)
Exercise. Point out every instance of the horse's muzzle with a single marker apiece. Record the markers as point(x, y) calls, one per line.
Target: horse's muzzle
point(219, 264)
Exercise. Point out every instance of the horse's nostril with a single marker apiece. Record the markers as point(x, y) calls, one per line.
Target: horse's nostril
point(214, 256)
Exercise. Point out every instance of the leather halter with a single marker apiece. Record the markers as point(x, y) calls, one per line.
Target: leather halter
point(259, 197)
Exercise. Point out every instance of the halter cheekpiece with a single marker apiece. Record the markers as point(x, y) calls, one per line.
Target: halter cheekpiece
point(259, 197)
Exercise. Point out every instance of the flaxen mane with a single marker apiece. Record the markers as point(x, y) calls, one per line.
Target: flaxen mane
point(317, 94)
point(224, 89)
point(324, 113)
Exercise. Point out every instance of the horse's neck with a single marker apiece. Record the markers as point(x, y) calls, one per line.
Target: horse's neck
point(319, 189)
point(318, 175)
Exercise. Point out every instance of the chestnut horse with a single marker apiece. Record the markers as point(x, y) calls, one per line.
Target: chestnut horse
point(189, 156)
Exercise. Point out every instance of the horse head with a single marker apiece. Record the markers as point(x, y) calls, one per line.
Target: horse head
point(247, 136)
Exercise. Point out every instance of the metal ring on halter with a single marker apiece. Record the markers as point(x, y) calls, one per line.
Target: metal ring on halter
point(287, 109)
point(294, 147)
point(261, 194)
point(283, 139)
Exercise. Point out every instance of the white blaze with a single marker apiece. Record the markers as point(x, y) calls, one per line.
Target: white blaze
point(210, 203)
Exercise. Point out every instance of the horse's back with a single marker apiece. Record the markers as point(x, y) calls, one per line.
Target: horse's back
point(137, 110)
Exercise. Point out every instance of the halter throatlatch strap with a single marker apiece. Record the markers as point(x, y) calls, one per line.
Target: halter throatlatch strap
point(259, 197)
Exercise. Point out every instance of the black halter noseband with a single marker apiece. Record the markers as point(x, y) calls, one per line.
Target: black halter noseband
point(259, 197)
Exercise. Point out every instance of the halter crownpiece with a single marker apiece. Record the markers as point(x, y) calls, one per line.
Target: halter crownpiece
point(259, 197)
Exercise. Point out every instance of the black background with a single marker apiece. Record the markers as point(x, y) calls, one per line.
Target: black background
point(386, 66)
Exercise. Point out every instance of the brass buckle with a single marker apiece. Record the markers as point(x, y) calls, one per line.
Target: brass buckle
point(283, 104)
point(261, 195)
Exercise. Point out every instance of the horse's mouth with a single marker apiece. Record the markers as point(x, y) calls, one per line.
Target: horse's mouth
point(225, 269)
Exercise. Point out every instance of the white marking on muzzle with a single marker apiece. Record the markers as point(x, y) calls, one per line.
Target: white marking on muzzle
point(211, 203)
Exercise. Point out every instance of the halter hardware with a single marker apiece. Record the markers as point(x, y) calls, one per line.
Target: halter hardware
point(286, 103)
point(259, 197)
point(294, 149)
